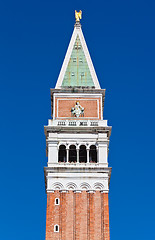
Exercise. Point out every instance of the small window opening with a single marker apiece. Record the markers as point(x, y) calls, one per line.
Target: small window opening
point(57, 201)
point(72, 154)
point(56, 228)
point(62, 153)
point(93, 154)
point(82, 154)
point(77, 46)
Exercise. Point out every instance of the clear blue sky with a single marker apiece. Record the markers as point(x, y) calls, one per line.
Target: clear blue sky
point(34, 36)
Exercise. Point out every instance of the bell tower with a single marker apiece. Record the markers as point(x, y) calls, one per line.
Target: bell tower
point(77, 175)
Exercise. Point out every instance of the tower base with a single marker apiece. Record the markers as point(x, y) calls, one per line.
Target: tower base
point(81, 215)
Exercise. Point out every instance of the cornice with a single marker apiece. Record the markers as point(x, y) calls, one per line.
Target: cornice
point(83, 129)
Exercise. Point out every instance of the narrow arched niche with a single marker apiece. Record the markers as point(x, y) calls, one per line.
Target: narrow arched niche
point(82, 154)
point(62, 153)
point(93, 154)
point(56, 228)
point(72, 154)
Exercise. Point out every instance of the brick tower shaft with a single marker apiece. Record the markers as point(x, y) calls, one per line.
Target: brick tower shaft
point(80, 215)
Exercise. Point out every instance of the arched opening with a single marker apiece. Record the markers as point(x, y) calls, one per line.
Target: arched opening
point(62, 153)
point(56, 228)
point(93, 154)
point(72, 154)
point(57, 201)
point(82, 154)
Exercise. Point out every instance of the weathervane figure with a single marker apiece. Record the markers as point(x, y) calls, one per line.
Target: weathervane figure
point(78, 15)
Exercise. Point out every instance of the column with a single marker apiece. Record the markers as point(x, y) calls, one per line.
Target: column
point(97, 151)
point(87, 154)
point(77, 150)
point(52, 152)
point(67, 151)
point(102, 152)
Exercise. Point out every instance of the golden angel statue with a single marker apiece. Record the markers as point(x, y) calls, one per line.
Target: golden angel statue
point(78, 15)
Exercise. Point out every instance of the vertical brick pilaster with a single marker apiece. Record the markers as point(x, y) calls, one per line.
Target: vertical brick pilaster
point(49, 216)
point(63, 217)
point(69, 215)
point(91, 214)
point(48, 220)
point(102, 216)
point(88, 216)
point(83, 215)
point(53, 216)
point(74, 215)
point(78, 215)
point(105, 203)
point(97, 215)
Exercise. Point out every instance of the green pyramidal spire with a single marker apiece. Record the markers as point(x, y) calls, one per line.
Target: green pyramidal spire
point(77, 69)
point(77, 72)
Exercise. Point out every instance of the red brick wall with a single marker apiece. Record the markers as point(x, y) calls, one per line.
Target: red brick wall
point(80, 216)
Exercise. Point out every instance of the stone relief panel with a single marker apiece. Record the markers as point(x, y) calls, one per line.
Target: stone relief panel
point(85, 108)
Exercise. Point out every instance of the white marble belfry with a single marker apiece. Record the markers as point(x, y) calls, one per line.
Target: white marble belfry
point(74, 134)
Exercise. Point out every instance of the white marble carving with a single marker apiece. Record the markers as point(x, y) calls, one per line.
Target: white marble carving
point(77, 110)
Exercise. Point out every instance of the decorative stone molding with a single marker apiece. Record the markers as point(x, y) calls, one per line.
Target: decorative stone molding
point(57, 186)
point(98, 186)
point(90, 191)
point(85, 186)
point(51, 191)
point(64, 191)
point(77, 191)
point(85, 177)
point(71, 186)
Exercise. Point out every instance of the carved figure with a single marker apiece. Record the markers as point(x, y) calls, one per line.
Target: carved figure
point(78, 15)
point(77, 110)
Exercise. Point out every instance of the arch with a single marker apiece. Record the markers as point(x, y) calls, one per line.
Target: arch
point(85, 186)
point(56, 228)
point(93, 154)
point(82, 154)
point(72, 154)
point(71, 186)
point(62, 156)
point(98, 186)
point(57, 201)
point(58, 186)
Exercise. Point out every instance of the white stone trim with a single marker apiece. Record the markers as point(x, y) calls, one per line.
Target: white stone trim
point(92, 95)
point(101, 109)
point(89, 61)
point(90, 191)
point(54, 106)
point(85, 186)
point(100, 123)
point(71, 186)
point(65, 178)
point(77, 31)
